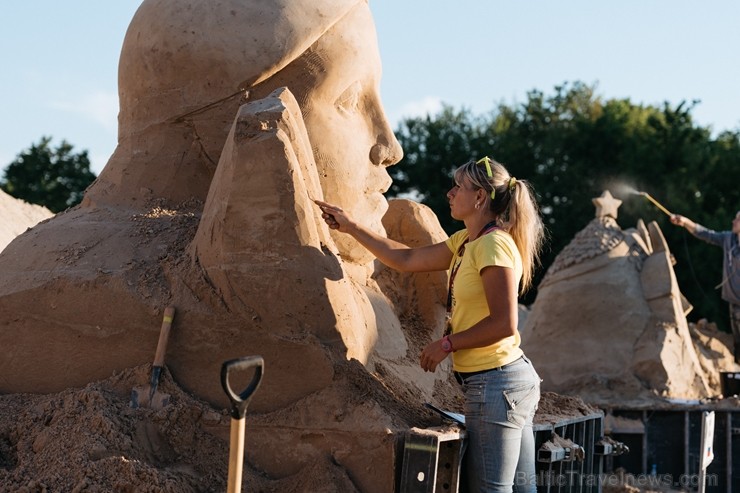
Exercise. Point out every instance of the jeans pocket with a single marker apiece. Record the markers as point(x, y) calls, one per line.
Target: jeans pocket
point(475, 398)
point(521, 403)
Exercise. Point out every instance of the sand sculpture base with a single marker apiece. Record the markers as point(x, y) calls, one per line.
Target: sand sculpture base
point(81, 298)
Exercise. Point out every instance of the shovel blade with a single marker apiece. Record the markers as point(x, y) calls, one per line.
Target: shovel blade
point(159, 400)
point(148, 397)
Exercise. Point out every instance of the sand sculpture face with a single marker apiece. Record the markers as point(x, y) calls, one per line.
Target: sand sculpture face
point(351, 138)
point(189, 65)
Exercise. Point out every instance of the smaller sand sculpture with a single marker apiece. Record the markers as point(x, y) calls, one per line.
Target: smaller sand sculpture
point(610, 320)
point(16, 216)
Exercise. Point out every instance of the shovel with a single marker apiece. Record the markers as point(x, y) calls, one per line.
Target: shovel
point(149, 396)
point(239, 404)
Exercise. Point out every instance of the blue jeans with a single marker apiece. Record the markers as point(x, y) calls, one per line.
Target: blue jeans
point(735, 326)
point(499, 409)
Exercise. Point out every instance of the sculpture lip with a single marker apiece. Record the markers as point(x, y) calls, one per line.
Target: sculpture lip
point(381, 184)
point(377, 200)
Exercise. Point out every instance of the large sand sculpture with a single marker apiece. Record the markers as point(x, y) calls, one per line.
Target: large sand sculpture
point(234, 115)
point(609, 322)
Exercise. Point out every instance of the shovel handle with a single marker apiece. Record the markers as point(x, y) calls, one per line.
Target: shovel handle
point(164, 335)
point(238, 410)
point(240, 401)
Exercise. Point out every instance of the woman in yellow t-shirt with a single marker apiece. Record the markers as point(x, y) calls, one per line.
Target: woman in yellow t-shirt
point(489, 262)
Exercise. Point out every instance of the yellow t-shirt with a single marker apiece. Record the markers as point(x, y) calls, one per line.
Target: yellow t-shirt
point(469, 305)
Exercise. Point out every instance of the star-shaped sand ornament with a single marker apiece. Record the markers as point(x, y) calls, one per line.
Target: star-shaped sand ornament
point(606, 205)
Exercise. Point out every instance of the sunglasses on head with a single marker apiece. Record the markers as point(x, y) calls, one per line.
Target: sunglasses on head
point(487, 161)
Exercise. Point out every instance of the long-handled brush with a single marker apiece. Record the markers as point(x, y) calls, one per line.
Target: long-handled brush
point(657, 204)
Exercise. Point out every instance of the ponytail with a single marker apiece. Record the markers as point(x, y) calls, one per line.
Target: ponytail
point(524, 224)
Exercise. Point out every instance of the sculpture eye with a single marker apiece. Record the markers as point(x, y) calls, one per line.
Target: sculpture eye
point(349, 100)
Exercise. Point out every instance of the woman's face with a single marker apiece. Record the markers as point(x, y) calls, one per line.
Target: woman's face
point(336, 83)
point(462, 198)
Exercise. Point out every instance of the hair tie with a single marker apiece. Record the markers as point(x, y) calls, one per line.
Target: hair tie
point(512, 183)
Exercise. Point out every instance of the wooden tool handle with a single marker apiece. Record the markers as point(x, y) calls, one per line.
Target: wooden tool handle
point(164, 334)
point(236, 455)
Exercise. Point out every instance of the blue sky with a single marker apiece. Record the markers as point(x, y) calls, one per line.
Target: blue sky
point(59, 59)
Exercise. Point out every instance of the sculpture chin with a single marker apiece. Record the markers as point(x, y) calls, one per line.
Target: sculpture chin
point(372, 213)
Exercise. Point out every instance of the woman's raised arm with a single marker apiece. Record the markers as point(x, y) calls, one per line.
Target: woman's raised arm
point(392, 253)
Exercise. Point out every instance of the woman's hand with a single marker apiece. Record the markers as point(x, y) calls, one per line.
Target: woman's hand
point(335, 216)
point(392, 253)
point(432, 355)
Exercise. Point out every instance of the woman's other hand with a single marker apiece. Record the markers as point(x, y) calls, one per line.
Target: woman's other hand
point(432, 355)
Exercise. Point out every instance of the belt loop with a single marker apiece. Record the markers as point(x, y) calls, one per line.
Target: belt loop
point(458, 377)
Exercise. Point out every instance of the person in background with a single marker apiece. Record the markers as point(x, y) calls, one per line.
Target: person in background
point(490, 262)
point(730, 243)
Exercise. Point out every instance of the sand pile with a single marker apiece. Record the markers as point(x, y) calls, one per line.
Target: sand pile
point(554, 408)
point(16, 216)
point(713, 347)
point(251, 270)
point(89, 439)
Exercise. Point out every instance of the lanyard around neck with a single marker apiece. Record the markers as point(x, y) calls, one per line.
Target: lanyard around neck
point(460, 251)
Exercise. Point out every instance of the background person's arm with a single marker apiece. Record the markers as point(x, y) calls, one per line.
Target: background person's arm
point(684, 222)
point(698, 230)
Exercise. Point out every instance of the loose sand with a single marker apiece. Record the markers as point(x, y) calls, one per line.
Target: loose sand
point(90, 440)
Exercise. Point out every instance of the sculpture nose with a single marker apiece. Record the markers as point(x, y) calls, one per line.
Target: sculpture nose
point(386, 154)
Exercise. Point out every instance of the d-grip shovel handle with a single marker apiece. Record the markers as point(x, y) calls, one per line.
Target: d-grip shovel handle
point(240, 401)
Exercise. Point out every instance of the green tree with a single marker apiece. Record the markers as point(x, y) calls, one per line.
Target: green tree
point(433, 148)
point(572, 145)
point(55, 178)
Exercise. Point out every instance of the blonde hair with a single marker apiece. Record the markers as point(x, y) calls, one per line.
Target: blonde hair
point(512, 201)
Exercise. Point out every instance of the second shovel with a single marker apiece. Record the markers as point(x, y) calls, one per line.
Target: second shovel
point(149, 396)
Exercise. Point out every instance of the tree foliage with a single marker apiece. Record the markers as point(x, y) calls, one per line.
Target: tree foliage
point(572, 145)
point(55, 178)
